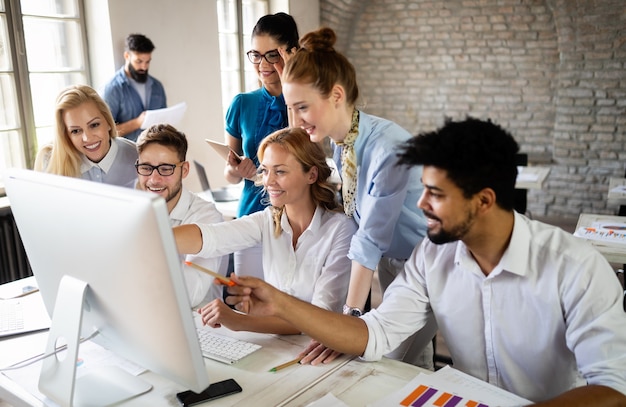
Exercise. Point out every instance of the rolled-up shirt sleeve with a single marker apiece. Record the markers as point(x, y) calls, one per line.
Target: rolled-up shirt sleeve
point(404, 310)
point(380, 200)
point(227, 237)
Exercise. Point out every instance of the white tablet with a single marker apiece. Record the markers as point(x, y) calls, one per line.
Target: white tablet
point(222, 149)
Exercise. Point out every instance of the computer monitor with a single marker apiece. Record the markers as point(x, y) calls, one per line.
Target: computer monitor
point(108, 253)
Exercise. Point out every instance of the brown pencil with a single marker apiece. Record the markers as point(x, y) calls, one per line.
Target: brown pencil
point(287, 364)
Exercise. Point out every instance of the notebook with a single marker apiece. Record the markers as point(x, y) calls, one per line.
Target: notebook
point(21, 308)
point(219, 195)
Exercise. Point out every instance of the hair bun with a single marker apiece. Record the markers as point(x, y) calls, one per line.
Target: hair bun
point(322, 40)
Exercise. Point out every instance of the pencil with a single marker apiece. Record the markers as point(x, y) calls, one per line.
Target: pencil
point(287, 364)
point(225, 280)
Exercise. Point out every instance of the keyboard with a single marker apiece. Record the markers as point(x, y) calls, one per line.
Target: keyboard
point(223, 348)
point(11, 316)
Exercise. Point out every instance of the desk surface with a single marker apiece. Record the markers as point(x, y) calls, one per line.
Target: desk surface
point(354, 382)
point(613, 252)
point(227, 209)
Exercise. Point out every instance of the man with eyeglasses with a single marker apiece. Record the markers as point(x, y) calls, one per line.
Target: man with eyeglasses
point(132, 90)
point(161, 168)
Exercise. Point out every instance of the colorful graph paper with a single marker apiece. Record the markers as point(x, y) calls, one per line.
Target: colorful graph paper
point(429, 396)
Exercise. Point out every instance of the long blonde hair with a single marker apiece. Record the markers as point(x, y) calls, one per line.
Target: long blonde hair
point(65, 159)
point(296, 142)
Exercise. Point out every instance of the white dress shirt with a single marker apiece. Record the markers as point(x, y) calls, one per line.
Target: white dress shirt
point(317, 271)
point(192, 209)
point(548, 318)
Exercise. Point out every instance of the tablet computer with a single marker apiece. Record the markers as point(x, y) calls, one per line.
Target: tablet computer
point(222, 149)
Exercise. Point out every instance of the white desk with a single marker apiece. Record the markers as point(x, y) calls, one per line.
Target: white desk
point(531, 177)
point(613, 252)
point(352, 381)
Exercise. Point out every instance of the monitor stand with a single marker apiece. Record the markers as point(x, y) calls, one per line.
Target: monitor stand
point(100, 387)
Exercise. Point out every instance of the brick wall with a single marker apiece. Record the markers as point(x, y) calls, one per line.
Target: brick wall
point(551, 72)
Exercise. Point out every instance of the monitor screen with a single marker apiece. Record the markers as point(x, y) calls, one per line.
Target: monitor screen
point(119, 243)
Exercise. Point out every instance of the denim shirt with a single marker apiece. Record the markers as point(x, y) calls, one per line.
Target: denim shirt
point(390, 224)
point(126, 104)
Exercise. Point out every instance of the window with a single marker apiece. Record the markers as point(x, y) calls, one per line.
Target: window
point(42, 51)
point(236, 19)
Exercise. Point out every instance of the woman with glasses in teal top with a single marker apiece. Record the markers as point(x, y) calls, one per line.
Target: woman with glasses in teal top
point(254, 115)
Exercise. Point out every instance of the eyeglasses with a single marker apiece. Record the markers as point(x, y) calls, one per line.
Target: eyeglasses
point(164, 170)
point(270, 56)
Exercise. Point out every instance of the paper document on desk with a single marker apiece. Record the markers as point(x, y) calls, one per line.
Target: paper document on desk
point(170, 115)
point(18, 288)
point(450, 387)
point(604, 231)
point(329, 400)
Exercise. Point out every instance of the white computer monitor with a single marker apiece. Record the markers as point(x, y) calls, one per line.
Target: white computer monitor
point(113, 246)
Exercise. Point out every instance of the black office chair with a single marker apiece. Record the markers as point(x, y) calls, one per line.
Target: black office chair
point(521, 195)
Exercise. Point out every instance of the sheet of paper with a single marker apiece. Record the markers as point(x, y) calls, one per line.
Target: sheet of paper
point(170, 115)
point(329, 400)
point(604, 231)
point(18, 288)
point(448, 387)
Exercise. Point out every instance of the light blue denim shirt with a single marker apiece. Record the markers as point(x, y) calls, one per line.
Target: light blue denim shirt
point(390, 224)
point(125, 103)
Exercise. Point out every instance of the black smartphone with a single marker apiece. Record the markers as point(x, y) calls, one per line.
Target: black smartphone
point(215, 390)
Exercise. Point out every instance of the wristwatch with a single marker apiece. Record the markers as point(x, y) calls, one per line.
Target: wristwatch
point(354, 311)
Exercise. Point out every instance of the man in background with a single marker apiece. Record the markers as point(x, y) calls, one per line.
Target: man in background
point(161, 167)
point(132, 90)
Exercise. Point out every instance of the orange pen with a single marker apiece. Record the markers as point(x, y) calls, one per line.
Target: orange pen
point(224, 280)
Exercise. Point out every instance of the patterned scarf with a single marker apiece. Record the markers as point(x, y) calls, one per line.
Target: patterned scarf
point(348, 166)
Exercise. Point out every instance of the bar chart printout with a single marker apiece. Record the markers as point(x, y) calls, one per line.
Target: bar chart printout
point(450, 388)
point(430, 396)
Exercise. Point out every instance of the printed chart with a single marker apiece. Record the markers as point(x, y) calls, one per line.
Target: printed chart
point(449, 387)
point(610, 232)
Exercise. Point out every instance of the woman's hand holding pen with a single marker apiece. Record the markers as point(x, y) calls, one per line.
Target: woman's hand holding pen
point(316, 353)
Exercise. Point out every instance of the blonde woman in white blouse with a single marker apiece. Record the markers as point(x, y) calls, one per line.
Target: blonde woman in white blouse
point(304, 233)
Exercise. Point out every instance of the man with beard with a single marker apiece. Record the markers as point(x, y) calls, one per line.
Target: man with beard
point(162, 166)
point(132, 90)
point(522, 305)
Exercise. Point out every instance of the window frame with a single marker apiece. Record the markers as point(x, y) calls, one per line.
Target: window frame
point(26, 120)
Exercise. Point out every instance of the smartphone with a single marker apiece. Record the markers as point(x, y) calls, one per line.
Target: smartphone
point(215, 390)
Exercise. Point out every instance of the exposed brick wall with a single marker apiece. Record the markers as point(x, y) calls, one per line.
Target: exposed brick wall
point(552, 72)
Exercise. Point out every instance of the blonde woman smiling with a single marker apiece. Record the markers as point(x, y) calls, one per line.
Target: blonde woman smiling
point(304, 234)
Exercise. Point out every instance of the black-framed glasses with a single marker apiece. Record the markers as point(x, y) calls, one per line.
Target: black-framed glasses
point(272, 56)
point(164, 170)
